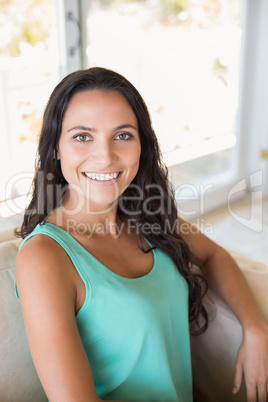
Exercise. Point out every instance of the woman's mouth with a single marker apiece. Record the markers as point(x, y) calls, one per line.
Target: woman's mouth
point(102, 177)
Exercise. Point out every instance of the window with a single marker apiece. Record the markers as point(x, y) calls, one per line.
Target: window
point(29, 70)
point(184, 57)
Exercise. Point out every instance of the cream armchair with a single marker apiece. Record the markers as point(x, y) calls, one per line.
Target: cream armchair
point(18, 379)
point(214, 352)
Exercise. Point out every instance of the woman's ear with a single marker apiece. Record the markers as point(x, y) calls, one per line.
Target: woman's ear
point(56, 154)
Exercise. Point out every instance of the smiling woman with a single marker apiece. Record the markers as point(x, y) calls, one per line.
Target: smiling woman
point(100, 142)
point(105, 273)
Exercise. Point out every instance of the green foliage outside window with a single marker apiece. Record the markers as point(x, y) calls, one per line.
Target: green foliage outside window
point(24, 22)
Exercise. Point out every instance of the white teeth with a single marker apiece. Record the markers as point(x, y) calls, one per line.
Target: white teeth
point(102, 176)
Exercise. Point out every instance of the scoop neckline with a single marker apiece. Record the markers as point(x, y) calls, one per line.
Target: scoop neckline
point(108, 270)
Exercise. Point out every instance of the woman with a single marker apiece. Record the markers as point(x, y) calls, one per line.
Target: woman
point(105, 276)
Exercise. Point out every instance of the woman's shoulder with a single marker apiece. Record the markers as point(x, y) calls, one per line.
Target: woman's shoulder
point(40, 246)
point(43, 240)
point(43, 267)
point(41, 255)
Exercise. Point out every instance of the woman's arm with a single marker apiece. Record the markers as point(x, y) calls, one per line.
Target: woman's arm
point(48, 297)
point(226, 279)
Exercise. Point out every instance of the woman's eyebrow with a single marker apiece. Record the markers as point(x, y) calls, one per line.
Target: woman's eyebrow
point(125, 126)
point(85, 128)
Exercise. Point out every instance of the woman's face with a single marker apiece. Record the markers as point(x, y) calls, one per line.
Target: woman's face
point(99, 147)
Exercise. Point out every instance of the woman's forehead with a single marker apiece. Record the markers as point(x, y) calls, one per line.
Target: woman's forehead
point(98, 101)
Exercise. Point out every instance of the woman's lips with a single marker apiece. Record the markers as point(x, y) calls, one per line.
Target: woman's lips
point(102, 178)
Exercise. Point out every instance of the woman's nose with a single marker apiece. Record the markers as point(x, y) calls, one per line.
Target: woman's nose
point(104, 153)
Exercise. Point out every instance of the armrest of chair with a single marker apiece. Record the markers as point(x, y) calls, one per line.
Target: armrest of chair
point(214, 352)
point(18, 378)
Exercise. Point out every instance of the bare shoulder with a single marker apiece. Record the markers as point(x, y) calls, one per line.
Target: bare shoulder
point(36, 249)
point(199, 244)
point(41, 268)
point(47, 293)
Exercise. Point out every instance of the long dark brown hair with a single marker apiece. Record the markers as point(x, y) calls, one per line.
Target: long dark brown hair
point(155, 209)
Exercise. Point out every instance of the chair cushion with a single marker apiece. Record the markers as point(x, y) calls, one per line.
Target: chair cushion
point(18, 378)
point(214, 352)
point(8, 234)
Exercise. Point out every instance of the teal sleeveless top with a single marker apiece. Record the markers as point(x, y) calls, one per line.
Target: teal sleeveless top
point(135, 331)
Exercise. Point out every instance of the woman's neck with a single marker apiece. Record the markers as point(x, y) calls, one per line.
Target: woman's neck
point(100, 220)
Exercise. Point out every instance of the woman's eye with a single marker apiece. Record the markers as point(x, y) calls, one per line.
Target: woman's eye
point(82, 137)
point(124, 136)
